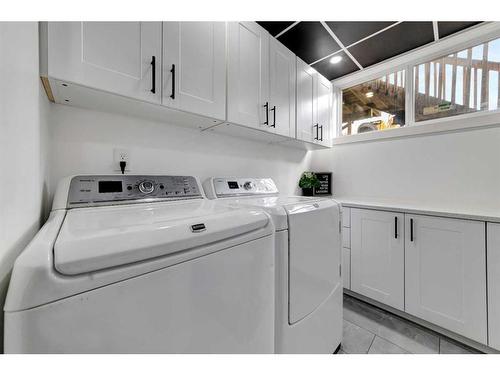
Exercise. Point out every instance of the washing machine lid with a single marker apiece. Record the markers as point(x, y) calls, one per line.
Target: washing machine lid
point(269, 204)
point(96, 238)
point(274, 205)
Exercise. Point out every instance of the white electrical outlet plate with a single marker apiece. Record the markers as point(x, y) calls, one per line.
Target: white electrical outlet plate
point(121, 154)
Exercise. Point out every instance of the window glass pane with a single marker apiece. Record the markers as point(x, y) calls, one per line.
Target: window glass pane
point(462, 82)
point(374, 105)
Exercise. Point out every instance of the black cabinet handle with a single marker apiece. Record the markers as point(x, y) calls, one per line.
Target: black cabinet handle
point(317, 132)
point(411, 230)
point(266, 106)
point(274, 117)
point(395, 227)
point(172, 95)
point(321, 138)
point(153, 75)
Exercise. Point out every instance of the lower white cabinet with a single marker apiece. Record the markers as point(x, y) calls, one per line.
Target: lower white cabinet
point(346, 267)
point(346, 217)
point(493, 239)
point(445, 274)
point(346, 247)
point(377, 256)
point(346, 237)
point(433, 268)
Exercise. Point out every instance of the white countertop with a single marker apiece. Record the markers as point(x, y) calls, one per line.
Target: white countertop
point(491, 214)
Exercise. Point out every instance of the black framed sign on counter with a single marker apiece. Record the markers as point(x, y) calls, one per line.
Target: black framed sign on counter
point(325, 180)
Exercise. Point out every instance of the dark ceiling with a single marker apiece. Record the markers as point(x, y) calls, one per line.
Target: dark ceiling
point(360, 44)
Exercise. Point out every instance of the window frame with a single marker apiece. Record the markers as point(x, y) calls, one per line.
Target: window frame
point(396, 70)
point(457, 42)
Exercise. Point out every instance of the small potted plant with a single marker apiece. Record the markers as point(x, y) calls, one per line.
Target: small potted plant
point(308, 182)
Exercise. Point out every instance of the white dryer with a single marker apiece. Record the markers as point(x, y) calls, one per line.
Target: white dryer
point(308, 260)
point(143, 264)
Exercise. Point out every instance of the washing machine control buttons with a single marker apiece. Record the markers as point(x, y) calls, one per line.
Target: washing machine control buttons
point(146, 187)
point(245, 186)
point(248, 185)
point(96, 190)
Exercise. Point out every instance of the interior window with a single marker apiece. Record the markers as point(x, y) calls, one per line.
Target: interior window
point(462, 82)
point(374, 105)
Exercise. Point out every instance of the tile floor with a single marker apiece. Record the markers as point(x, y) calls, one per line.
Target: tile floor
point(370, 330)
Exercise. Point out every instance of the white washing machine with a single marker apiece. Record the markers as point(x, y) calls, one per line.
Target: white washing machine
point(308, 260)
point(143, 264)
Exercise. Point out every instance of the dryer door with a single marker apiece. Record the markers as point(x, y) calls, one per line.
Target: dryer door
point(314, 255)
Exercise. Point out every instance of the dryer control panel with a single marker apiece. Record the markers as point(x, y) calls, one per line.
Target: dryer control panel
point(116, 189)
point(230, 187)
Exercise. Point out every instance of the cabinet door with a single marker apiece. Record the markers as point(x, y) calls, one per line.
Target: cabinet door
point(377, 256)
point(248, 75)
point(493, 240)
point(306, 114)
point(346, 267)
point(111, 56)
point(446, 273)
point(194, 53)
point(282, 71)
point(324, 109)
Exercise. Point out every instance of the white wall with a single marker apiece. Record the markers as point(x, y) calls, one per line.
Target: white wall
point(82, 141)
point(459, 169)
point(23, 145)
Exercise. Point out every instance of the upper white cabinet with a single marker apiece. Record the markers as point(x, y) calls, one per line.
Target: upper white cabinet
point(306, 117)
point(282, 72)
point(377, 255)
point(229, 77)
point(445, 274)
point(493, 239)
point(323, 109)
point(248, 75)
point(194, 67)
point(119, 57)
point(314, 105)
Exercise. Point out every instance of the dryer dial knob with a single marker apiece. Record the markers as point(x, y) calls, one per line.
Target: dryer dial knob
point(248, 185)
point(146, 187)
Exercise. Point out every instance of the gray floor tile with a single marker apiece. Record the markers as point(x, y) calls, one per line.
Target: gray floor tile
point(404, 334)
point(449, 347)
point(381, 346)
point(356, 340)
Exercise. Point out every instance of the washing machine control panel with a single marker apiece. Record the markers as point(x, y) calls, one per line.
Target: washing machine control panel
point(229, 187)
point(116, 189)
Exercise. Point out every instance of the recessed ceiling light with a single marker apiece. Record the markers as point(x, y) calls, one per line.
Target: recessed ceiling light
point(369, 94)
point(335, 59)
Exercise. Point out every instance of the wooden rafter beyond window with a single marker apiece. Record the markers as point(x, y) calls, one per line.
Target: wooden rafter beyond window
point(484, 82)
point(498, 92)
point(467, 77)
point(475, 63)
point(470, 93)
point(454, 79)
